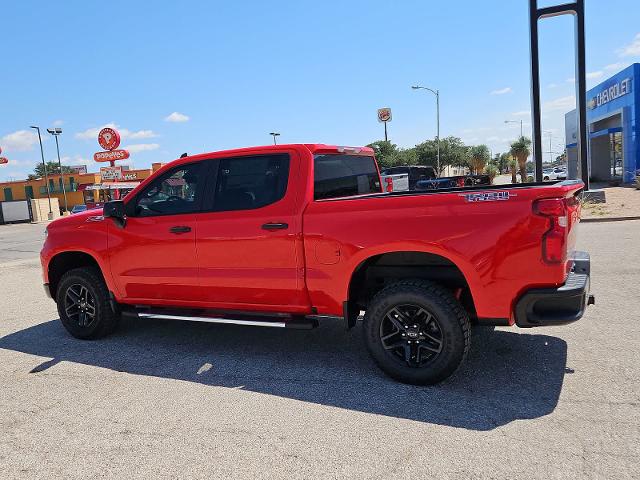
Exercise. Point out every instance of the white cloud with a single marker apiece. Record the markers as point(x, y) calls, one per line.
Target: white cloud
point(552, 85)
point(141, 147)
point(92, 133)
point(522, 113)
point(502, 91)
point(22, 140)
point(563, 103)
point(590, 76)
point(616, 66)
point(176, 117)
point(58, 123)
point(631, 50)
point(139, 134)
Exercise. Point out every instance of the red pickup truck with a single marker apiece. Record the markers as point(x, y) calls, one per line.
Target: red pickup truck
point(292, 235)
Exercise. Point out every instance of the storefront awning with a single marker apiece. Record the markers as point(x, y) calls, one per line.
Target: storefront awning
point(110, 186)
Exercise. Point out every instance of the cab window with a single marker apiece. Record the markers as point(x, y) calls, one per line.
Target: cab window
point(246, 183)
point(175, 192)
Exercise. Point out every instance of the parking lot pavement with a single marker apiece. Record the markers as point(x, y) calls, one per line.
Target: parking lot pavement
point(174, 400)
point(20, 241)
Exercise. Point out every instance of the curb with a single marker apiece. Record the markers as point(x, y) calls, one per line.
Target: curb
point(609, 219)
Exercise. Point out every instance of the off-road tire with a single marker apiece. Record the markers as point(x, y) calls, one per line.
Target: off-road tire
point(452, 322)
point(104, 320)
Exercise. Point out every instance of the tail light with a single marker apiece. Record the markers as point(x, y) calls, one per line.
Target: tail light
point(389, 184)
point(554, 240)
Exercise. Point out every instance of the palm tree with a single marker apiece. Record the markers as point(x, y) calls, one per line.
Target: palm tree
point(512, 168)
point(492, 171)
point(521, 151)
point(479, 156)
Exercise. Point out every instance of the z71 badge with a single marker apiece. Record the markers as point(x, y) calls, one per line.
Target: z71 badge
point(487, 196)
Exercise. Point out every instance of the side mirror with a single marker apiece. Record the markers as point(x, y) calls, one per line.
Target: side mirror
point(115, 209)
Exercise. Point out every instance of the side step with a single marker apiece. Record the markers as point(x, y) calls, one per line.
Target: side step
point(298, 322)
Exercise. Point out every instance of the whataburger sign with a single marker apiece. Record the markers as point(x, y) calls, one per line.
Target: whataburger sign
point(616, 90)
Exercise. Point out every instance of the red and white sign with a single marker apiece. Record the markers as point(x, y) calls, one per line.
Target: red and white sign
point(111, 156)
point(109, 139)
point(3, 160)
point(384, 115)
point(111, 173)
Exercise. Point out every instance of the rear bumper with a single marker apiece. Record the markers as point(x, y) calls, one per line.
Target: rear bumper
point(558, 306)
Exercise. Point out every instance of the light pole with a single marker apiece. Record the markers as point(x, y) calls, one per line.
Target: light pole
point(550, 133)
point(274, 135)
point(46, 176)
point(516, 121)
point(55, 132)
point(437, 94)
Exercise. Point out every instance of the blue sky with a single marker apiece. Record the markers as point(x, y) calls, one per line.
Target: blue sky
point(314, 71)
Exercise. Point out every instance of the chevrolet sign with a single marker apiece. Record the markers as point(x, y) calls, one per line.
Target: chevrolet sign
point(614, 91)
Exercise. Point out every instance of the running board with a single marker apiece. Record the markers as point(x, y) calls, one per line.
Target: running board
point(295, 323)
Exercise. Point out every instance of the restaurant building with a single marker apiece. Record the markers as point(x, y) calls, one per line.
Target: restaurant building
point(91, 189)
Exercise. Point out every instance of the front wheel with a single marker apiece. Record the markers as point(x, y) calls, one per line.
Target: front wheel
point(417, 332)
point(82, 298)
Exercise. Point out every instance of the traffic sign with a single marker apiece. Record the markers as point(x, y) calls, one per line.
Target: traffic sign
point(111, 156)
point(109, 139)
point(384, 115)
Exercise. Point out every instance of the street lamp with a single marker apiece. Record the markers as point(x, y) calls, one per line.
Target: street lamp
point(516, 121)
point(55, 132)
point(437, 94)
point(274, 135)
point(550, 133)
point(46, 176)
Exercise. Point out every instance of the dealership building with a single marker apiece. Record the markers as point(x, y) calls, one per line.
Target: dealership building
point(613, 129)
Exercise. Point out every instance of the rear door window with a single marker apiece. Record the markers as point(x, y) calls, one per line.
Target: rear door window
point(246, 183)
point(344, 176)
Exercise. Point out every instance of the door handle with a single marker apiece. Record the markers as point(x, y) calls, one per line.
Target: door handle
point(275, 226)
point(178, 229)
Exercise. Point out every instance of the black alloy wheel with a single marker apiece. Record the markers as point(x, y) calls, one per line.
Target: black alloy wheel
point(412, 334)
point(79, 305)
point(84, 304)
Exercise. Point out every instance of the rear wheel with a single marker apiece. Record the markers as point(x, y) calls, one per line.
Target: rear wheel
point(417, 332)
point(83, 304)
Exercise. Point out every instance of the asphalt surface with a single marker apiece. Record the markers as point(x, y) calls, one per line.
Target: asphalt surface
point(181, 400)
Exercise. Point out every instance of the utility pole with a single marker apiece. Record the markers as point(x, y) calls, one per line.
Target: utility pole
point(55, 132)
point(437, 94)
point(46, 176)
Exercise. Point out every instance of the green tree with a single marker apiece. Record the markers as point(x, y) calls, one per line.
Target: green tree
point(520, 149)
point(503, 162)
point(52, 169)
point(492, 171)
point(385, 152)
point(453, 152)
point(479, 156)
point(513, 165)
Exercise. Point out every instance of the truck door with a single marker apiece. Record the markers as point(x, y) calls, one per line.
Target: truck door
point(153, 257)
point(249, 238)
